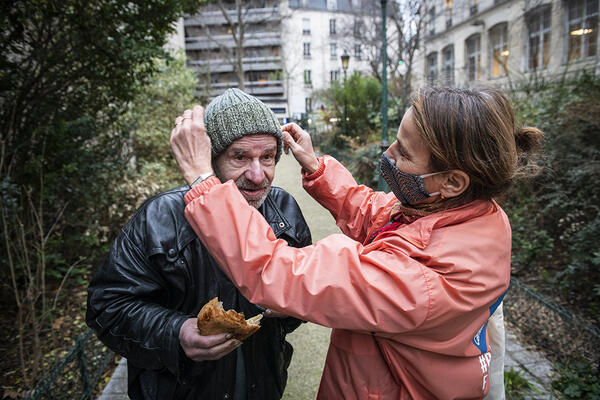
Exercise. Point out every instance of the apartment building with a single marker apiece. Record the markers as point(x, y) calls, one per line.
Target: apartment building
point(289, 50)
point(499, 42)
point(316, 34)
point(243, 41)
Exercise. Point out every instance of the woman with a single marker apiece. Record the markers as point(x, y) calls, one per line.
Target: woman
point(409, 288)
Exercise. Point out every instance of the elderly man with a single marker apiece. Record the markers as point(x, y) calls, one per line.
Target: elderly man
point(144, 299)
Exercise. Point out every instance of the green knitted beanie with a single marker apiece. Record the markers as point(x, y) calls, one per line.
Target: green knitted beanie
point(234, 114)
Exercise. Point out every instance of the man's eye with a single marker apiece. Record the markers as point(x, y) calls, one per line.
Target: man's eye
point(239, 158)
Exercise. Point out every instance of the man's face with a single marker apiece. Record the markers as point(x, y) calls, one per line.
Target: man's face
point(250, 163)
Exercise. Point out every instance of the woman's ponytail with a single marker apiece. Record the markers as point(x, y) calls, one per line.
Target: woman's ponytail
point(529, 143)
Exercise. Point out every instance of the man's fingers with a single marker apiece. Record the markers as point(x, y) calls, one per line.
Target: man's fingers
point(215, 352)
point(210, 341)
point(293, 129)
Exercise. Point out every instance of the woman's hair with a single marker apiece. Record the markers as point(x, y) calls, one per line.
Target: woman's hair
point(474, 130)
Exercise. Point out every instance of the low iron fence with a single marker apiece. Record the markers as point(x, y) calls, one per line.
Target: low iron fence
point(75, 376)
point(562, 335)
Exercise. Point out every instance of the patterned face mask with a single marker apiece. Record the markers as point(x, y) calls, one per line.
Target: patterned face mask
point(408, 188)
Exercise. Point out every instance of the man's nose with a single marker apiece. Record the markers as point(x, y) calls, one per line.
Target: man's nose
point(255, 173)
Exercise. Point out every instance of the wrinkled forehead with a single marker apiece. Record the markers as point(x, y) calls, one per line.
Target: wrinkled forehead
point(259, 142)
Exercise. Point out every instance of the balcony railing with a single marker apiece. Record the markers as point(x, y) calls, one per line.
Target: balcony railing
point(258, 39)
point(254, 15)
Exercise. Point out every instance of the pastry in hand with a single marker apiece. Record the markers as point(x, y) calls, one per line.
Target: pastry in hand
point(213, 319)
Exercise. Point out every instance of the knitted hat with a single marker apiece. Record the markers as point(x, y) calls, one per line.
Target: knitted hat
point(234, 114)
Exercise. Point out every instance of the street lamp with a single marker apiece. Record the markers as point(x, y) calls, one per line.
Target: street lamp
point(345, 60)
point(381, 185)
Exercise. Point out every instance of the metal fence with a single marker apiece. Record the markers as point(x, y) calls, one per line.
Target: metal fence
point(76, 375)
point(559, 333)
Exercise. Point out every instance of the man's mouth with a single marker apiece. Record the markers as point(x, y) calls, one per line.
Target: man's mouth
point(252, 193)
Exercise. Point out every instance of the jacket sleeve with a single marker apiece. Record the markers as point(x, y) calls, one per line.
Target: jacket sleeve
point(354, 207)
point(336, 282)
point(302, 239)
point(123, 309)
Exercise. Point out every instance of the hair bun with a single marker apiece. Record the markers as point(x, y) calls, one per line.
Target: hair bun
point(529, 143)
point(528, 139)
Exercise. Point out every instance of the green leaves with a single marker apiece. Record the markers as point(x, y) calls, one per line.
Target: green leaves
point(578, 380)
point(556, 218)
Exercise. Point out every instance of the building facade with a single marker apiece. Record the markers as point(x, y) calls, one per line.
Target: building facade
point(242, 39)
point(504, 42)
point(289, 49)
point(316, 33)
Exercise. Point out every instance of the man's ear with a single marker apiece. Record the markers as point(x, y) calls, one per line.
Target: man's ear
point(454, 184)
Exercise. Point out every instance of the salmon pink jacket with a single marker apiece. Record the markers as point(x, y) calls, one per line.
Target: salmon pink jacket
point(408, 309)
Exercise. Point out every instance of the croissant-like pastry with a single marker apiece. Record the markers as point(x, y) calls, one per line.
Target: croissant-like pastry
point(213, 319)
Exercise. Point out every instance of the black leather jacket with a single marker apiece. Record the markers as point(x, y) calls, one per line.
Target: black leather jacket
point(157, 275)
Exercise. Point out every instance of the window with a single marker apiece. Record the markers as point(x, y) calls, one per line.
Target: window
point(358, 51)
point(334, 75)
point(473, 57)
point(333, 50)
point(332, 26)
point(332, 4)
point(582, 21)
point(448, 12)
point(306, 50)
point(432, 68)
point(308, 104)
point(448, 65)
point(306, 26)
point(538, 44)
point(307, 77)
point(499, 50)
point(431, 24)
point(357, 28)
point(473, 9)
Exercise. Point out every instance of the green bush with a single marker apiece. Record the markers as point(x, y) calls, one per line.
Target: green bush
point(148, 122)
point(578, 380)
point(556, 218)
point(355, 105)
point(516, 387)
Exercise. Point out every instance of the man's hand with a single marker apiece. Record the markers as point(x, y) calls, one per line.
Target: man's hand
point(202, 348)
point(297, 140)
point(191, 145)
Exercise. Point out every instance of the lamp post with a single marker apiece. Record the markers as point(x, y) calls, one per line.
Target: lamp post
point(381, 185)
point(345, 60)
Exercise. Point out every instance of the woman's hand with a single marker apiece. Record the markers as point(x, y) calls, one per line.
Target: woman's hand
point(191, 145)
point(297, 140)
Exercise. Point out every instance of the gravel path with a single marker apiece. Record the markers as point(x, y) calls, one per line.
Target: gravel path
point(310, 341)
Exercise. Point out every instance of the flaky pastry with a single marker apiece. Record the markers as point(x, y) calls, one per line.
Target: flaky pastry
point(213, 319)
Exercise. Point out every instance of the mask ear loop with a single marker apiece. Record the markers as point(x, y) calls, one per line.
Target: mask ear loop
point(430, 174)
